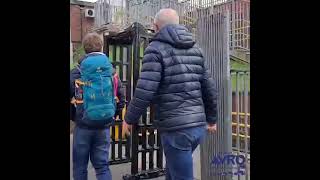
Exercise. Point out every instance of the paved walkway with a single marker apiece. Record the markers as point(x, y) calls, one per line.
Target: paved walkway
point(119, 170)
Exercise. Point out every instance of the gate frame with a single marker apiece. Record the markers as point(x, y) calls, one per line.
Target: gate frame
point(132, 37)
point(108, 40)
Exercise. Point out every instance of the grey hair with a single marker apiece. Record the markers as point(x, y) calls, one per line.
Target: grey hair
point(166, 16)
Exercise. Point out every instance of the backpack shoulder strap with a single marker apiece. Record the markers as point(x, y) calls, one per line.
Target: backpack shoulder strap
point(79, 69)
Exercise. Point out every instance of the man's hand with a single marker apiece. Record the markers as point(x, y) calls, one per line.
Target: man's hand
point(212, 128)
point(126, 128)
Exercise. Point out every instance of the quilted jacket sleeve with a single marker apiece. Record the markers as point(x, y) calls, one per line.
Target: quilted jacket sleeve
point(209, 96)
point(147, 85)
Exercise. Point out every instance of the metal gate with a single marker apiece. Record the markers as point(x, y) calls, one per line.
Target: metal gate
point(119, 54)
point(126, 49)
point(241, 117)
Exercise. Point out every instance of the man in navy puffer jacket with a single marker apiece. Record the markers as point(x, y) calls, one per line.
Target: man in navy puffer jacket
point(174, 79)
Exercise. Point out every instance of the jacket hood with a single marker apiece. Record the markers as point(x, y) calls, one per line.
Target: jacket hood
point(176, 35)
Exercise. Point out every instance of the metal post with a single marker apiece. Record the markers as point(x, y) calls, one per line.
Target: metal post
point(129, 93)
point(238, 116)
point(246, 124)
point(144, 142)
point(151, 139)
point(217, 31)
point(136, 70)
point(113, 129)
point(113, 143)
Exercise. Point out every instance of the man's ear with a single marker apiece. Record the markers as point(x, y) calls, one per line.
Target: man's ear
point(156, 27)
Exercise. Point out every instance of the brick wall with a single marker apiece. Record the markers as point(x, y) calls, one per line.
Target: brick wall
point(79, 24)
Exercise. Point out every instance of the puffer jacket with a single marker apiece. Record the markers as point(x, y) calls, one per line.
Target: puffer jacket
point(175, 80)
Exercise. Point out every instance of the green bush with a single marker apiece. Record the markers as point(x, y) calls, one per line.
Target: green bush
point(77, 54)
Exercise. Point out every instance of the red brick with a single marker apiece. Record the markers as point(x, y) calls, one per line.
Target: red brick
point(76, 18)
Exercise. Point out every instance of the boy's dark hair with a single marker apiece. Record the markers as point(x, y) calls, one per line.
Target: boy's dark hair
point(92, 43)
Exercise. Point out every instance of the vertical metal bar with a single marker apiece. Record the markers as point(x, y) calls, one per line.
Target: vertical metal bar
point(125, 65)
point(248, 26)
point(226, 53)
point(128, 147)
point(143, 141)
point(120, 116)
point(232, 25)
point(219, 75)
point(222, 75)
point(120, 140)
point(105, 45)
point(135, 134)
point(113, 129)
point(129, 74)
point(246, 124)
point(217, 78)
point(240, 24)
point(113, 143)
point(211, 20)
point(244, 24)
point(238, 116)
point(151, 139)
point(121, 62)
point(114, 53)
point(241, 95)
point(235, 24)
point(128, 93)
point(206, 19)
point(220, 80)
point(159, 152)
point(247, 18)
point(227, 77)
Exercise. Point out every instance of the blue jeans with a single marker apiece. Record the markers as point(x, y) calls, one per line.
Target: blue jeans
point(178, 147)
point(93, 144)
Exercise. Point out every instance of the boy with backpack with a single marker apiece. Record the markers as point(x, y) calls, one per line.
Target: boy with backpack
point(91, 85)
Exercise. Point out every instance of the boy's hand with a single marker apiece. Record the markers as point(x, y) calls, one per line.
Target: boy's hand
point(212, 128)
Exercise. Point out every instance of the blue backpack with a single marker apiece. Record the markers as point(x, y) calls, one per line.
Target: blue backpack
point(95, 88)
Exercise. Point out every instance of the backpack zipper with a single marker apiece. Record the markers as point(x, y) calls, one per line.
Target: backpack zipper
point(101, 85)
